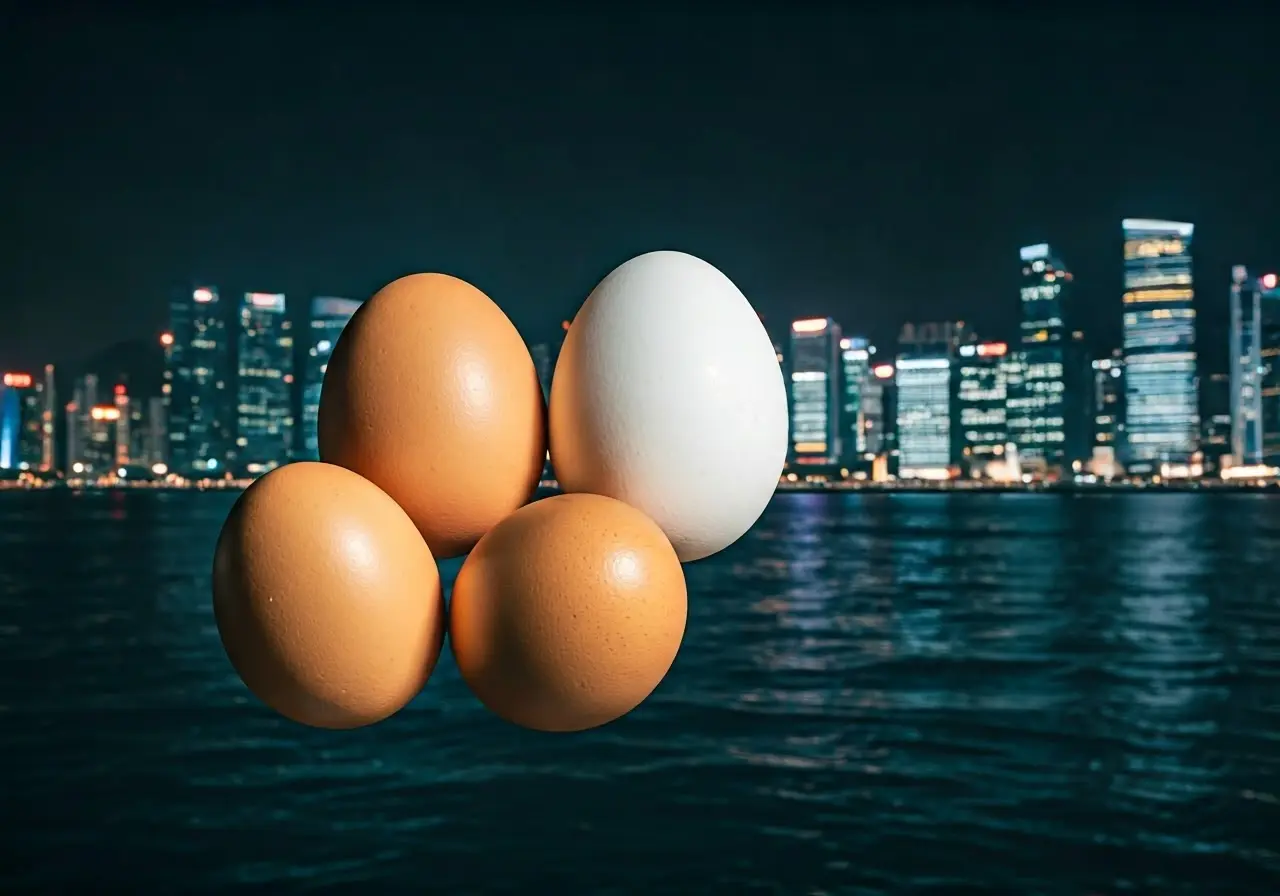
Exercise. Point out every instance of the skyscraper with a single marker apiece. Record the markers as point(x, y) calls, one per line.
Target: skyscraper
point(26, 422)
point(198, 384)
point(924, 398)
point(12, 389)
point(264, 433)
point(1045, 418)
point(1254, 372)
point(860, 398)
point(1161, 389)
point(1108, 401)
point(328, 318)
point(815, 391)
point(981, 393)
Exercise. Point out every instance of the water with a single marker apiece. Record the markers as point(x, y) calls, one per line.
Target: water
point(890, 694)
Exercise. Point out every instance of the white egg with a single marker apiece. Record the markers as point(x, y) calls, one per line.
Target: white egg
point(668, 395)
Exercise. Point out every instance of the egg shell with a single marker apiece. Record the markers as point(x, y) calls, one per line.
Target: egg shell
point(568, 613)
point(432, 395)
point(327, 600)
point(668, 395)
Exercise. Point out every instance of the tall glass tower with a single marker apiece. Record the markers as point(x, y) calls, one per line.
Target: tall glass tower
point(1161, 385)
point(328, 318)
point(198, 383)
point(1042, 403)
point(265, 425)
point(1254, 357)
point(856, 382)
point(815, 391)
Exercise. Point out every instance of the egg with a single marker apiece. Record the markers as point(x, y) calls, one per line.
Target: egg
point(432, 395)
point(668, 395)
point(568, 613)
point(327, 600)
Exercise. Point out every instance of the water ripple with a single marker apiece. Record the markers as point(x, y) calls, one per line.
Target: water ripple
point(888, 694)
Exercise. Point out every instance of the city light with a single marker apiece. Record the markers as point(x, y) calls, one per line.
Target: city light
point(119, 390)
point(813, 325)
point(270, 301)
point(203, 295)
point(18, 380)
point(992, 349)
point(166, 339)
point(883, 371)
point(104, 412)
point(1268, 281)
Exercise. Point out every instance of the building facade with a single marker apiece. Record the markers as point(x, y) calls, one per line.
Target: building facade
point(981, 375)
point(1162, 423)
point(329, 316)
point(1254, 373)
point(198, 384)
point(27, 417)
point(860, 408)
point(815, 391)
point(1048, 417)
point(264, 428)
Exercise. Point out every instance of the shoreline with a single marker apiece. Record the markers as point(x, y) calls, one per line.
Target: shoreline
point(1058, 488)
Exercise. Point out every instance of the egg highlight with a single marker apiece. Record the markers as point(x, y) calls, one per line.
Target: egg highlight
point(568, 613)
point(432, 395)
point(668, 396)
point(327, 600)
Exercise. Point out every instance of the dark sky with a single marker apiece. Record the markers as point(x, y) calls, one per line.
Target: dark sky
point(874, 168)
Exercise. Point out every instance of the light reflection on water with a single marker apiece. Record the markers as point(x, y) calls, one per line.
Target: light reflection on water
point(1021, 693)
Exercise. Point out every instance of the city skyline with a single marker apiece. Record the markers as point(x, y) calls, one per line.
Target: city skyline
point(942, 400)
point(311, 179)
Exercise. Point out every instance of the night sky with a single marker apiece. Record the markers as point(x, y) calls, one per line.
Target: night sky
point(877, 169)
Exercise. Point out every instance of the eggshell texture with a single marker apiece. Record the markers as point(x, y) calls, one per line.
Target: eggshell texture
point(568, 613)
point(327, 599)
point(432, 395)
point(668, 395)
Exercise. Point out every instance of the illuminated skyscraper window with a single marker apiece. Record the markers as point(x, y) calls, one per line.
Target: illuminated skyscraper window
point(1161, 387)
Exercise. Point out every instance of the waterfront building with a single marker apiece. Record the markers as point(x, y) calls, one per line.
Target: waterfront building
point(881, 407)
point(815, 391)
point(1254, 374)
point(923, 387)
point(197, 384)
point(1162, 425)
point(329, 316)
point(264, 431)
point(1108, 401)
point(924, 398)
point(27, 421)
point(1048, 405)
point(981, 394)
point(861, 411)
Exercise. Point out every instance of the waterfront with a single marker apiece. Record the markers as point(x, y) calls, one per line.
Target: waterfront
point(878, 693)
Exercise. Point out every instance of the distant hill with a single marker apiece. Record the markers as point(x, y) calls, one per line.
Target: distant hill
point(138, 363)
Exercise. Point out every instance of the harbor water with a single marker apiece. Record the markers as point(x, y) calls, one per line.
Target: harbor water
point(877, 694)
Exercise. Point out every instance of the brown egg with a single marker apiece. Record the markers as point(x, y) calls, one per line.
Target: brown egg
point(432, 395)
point(568, 613)
point(326, 597)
